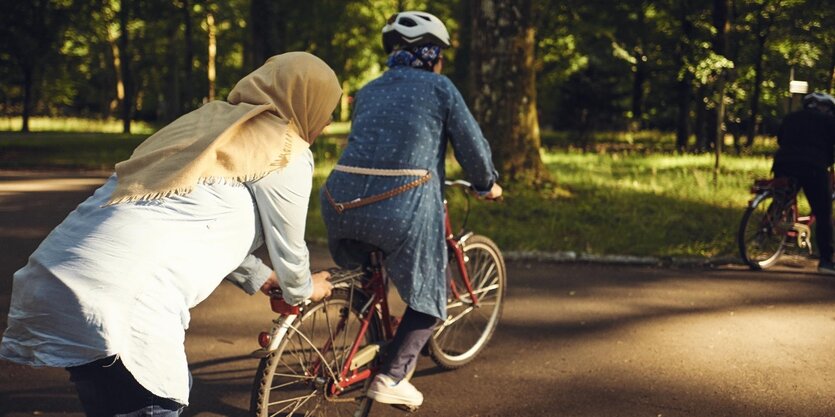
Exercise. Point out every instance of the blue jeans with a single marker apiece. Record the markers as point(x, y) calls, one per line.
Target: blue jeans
point(412, 333)
point(106, 388)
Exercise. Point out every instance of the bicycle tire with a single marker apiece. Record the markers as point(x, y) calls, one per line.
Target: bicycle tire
point(761, 238)
point(467, 330)
point(284, 383)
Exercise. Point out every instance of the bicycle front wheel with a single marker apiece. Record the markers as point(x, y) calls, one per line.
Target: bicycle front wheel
point(468, 328)
point(297, 378)
point(762, 232)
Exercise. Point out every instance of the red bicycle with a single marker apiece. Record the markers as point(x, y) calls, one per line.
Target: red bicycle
point(772, 223)
point(318, 359)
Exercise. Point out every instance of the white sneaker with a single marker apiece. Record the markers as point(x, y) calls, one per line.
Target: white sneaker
point(384, 390)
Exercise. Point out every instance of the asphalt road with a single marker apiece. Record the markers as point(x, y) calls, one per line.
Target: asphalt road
point(575, 339)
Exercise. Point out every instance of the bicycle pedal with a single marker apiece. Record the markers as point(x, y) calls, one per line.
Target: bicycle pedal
point(405, 407)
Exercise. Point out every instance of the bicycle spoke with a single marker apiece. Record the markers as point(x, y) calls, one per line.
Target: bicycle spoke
point(299, 354)
point(345, 331)
point(331, 339)
point(314, 410)
point(469, 326)
point(290, 403)
point(301, 401)
point(293, 400)
point(297, 378)
point(451, 320)
point(465, 297)
point(763, 231)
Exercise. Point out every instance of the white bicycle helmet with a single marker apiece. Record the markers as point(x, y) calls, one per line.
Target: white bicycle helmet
point(414, 28)
point(819, 101)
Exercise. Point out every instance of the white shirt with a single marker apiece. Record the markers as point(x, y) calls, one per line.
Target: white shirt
point(120, 279)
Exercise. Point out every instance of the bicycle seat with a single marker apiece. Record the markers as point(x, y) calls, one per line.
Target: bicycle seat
point(359, 252)
point(777, 183)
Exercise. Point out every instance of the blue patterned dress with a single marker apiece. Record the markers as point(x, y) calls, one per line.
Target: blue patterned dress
point(403, 120)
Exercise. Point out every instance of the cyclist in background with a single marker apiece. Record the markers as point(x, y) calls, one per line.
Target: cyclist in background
point(806, 139)
point(386, 190)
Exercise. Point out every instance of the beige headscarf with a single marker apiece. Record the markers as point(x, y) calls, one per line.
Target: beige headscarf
point(270, 116)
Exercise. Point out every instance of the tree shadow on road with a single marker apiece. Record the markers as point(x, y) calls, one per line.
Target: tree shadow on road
point(604, 297)
point(42, 401)
point(222, 386)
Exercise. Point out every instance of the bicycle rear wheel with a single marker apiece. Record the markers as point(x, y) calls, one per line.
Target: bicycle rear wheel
point(762, 232)
point(468, 328)
point(296, 378)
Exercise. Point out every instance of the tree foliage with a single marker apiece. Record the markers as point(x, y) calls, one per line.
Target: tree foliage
point(600, 65)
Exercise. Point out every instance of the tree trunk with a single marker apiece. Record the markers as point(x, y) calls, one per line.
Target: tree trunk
point(28, 80)
point(700, 125)
point(721, 22)
point(267, 30)
point(684, 84)
point(755, 95)
point(211, 73)
point(461, 73)
point(831, 82)
point(113, 43)
point(127, 102)
point(640, 75)
point(502, 66)
point(188, 97)
point(345, 102)
point(638, 82)
point(683, 94)
point(762, 28)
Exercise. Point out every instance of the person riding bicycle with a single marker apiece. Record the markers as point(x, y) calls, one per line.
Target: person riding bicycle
point(107, 294)
point(387, 189)
point(806, 139)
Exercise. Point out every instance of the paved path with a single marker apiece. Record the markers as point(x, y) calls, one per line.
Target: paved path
point(575, 339)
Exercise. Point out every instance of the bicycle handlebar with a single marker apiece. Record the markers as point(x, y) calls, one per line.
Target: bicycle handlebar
point(468, 187)
point(458, 183)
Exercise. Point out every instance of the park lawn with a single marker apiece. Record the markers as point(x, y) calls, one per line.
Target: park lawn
point(73, 124)
point(617, 202)
point(65, 150)
point(650, 205)
point(625, 204)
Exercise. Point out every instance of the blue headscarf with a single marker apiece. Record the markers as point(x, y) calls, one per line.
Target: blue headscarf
point(423, 57)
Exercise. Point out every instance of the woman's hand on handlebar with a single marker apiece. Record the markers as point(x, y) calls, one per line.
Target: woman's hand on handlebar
point(495, 193)
point(271, 285)
point(321, 286)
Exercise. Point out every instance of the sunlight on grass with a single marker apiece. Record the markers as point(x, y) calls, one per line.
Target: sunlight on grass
point(337, 128)
point(683, 177)
point(73, 124)
point(616, 202)
point(632, 204)
point(622, 203)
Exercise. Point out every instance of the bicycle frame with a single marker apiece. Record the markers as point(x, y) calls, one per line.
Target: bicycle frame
point(377, 304)
point(801, 225)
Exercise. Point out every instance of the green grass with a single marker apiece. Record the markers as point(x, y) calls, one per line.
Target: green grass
point(644, 141)
point(659, 205)
point(65, 150)
point(632, 201)
point(73, 124)
point(654, 205)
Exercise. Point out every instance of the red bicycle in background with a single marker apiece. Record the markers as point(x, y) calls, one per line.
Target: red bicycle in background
point(318, 359)
point(772, 223)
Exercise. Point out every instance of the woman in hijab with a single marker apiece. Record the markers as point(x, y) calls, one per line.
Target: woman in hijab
point(386, 189)
point(107, 294)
